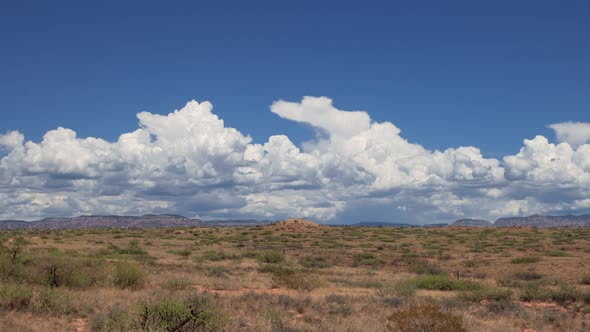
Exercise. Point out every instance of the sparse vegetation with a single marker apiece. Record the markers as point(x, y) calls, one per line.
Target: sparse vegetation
point(313, 279)
point(424, 317)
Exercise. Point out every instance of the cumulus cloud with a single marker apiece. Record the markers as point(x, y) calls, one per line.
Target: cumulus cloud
point(189, 162)
point(320, 113)
point(573, 133)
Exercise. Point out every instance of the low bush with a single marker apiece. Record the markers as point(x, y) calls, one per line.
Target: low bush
point(270, 256)
point(527, 275)
point(487, 293)
point(564, 294)
point(115, 319)
point(366, 259)
point(276, 269)
point(421, 266)
point(53, 301)
point(183, 253)
point(424, 318)
point(217, 272)
point(129, 275)
point(443, 283)
point(13, 297)
point(59, 271)
point(176, 283)
point(300, 281)
point(169, 313)
point(313, 262)
point(557, 253)
point(217, 255)
point(525, 260)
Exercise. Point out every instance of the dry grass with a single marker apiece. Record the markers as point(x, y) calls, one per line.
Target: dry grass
point(298, 277)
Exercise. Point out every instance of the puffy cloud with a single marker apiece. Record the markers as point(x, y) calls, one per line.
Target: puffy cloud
point(320, 113)
point(189, 162)
point(573, 133)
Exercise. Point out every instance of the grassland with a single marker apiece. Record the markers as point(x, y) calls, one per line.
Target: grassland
point(276, 278)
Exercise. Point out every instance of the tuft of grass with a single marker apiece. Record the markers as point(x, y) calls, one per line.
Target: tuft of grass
point(366, 259)
point(421, 266)
point(300, 281)
point(440, 282)
point(185, 253)
point(270, 256)
point(525, 260)
point(424, 317)
point(129, 275)
point(487, 293)
point(176, 284)
point(527, 275)
point(218, 255)
point(313, 262)
point(15, 297)
point(557, 253)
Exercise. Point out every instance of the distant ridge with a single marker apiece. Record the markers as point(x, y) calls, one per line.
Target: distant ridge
point(91, 221)
point(472, 223)
point(173, 220)
point(535, 220)
point(541, 221)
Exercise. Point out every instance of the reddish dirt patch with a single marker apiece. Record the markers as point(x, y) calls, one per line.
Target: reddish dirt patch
point(80, 324)
point(541, 305)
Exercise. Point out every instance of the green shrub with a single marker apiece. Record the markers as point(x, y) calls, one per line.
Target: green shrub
point(169, 313)
point(217, 271)
point(53, 301)
point(183, 253)
point(129, 275)
point(270, 256)
point(528, 275)
point(585, 280)
point(72, 272)
point(366, 259)
point(312, 262)
point(15, 297)
point(565, 294)
point(300, 281)
point(488, 294)
point(217, 255)
point(557, 253)
point(115, 319)
point(421, 266)
point(525, 260)
point(443, 283)
point(132, 249)
point(424, 318)
point(176, 283)
point(276, 269)
point(403, 289)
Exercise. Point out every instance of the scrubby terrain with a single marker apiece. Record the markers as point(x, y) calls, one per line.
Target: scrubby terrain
point(295, 276)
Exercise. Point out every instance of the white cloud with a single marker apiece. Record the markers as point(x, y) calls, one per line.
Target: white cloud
point(320, 113)
point(573, 133)
point(189, 162)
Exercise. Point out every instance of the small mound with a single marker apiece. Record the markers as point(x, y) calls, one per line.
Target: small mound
point(294, 225)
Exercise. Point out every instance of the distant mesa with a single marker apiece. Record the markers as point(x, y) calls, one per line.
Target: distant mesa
point(472, 223)
point(295, 225)
point(289, 225)
point(541, 221)
point(145, 221)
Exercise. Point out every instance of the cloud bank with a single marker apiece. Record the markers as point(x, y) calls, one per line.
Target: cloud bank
point(356, 169)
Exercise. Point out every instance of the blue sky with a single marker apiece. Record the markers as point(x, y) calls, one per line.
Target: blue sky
point(448, 74)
